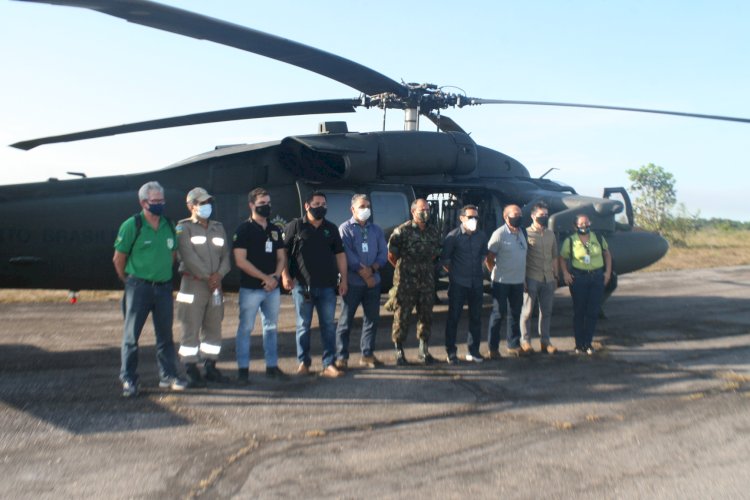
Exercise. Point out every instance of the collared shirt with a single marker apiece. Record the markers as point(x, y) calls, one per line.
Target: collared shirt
point(202, 250)
point(593, 249)
point(510, 255)
point(151, 256)
point(261, 246)
point(463, 254)
point(541, 254)
point(313, 251)
point(356, 239)
point(416, 250)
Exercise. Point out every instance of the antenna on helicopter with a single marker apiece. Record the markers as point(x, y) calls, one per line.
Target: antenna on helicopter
point(548, 171)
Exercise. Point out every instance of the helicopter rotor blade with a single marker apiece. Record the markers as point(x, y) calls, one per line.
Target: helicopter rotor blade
point(183, 22)
point(476, 101)
point(444, 123)
point(224, 115)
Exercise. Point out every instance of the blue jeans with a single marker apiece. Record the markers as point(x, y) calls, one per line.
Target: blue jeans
point(250, 301)
point(142, 298)
point(587, 291)
point(370, 300)
point(323, 299)
point(503, 295)
point(457, 296)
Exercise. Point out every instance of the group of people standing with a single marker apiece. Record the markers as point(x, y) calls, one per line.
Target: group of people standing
point(316, 260)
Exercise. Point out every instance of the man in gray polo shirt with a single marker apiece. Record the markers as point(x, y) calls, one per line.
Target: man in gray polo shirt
point(506, 259)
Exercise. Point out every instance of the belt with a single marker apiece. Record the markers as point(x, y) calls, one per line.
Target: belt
point(586, 271)
point(152, 283)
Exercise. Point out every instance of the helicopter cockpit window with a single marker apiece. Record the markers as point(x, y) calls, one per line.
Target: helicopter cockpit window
point(389, 209)
point(339, 206)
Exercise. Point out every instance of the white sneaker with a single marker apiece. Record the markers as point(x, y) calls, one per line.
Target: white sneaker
point(129, 389)
point(173, 383)
point(474, 359)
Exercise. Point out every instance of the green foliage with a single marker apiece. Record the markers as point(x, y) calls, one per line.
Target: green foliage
point(679, 226)
point(656, 196)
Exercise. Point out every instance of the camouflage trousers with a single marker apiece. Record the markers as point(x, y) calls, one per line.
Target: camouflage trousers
point(402, 304)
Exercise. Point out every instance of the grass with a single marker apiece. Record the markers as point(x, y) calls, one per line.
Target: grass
point(707, 248)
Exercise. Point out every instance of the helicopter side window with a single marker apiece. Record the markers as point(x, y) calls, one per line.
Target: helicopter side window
point(339, 206)
point(389, 208)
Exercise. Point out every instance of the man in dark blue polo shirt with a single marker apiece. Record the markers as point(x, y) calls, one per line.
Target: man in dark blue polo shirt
point(464, 250)
point(260, 255)
point(317, 260)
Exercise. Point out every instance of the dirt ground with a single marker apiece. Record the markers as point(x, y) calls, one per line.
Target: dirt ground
point(660, 412)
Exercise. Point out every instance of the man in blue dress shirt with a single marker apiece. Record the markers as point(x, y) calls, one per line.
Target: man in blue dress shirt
point(366, 253)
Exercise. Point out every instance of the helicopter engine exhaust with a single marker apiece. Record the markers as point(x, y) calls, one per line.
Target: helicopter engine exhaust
point(365, 157)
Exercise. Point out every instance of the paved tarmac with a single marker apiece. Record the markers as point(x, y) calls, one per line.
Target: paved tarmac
point(662, 411)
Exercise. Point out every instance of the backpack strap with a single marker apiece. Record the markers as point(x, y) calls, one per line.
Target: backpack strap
point(139, 224)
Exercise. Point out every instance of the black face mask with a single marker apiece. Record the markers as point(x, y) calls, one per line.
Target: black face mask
point(318, 213)
point(584, 230)
point(263, 210)
point(542, 220)
point(514, 221)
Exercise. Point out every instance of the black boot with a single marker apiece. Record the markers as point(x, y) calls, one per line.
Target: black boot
point(212, 373)
point(193, 374)
point(424, 355)
point(243, 376)
point(400, 356)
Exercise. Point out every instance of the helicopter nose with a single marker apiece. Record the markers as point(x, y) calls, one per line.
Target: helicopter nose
point(636, 249)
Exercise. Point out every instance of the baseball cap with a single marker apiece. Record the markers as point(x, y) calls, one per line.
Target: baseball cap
point(198, 195)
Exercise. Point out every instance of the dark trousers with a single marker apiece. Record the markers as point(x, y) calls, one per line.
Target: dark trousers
point(503, 295)
point(370, 300)
point(587, 291)
point(457, 296)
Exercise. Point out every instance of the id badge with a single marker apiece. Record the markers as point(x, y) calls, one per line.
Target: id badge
point(587, 259)
point(364, 247)
point(269, 246)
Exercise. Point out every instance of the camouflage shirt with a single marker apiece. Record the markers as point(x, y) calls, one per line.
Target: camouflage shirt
point(416, 250)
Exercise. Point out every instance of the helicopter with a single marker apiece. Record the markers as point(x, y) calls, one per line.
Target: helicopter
point(446, 167)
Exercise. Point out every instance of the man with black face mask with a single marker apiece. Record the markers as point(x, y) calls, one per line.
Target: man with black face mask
point(541, 279)
point(318, 261)
point(260, 255)
point(413, 249)
point(144, 254)
point(506, 259)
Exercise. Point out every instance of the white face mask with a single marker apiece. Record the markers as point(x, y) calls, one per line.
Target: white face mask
point(204, 211)
point(470, 225)
point(363, 214)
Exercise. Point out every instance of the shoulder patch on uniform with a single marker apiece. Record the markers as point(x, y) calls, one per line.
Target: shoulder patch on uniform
point(178, 228)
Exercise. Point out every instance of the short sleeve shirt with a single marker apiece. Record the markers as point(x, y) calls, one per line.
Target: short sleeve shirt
point(151, 257)
point(261, 246)
point(594, 248)
point(314, 251)
point(510, 255)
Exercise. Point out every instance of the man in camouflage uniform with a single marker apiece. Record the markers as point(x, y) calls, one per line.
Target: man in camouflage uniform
point(412, 249)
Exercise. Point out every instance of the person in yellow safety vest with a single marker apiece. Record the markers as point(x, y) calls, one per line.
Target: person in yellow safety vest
point(203, 251)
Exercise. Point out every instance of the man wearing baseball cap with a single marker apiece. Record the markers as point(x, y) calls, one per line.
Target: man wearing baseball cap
point(203, 251)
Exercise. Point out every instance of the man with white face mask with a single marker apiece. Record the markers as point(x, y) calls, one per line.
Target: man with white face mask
point(204, 260)
point(366, 253)
point(464, 250)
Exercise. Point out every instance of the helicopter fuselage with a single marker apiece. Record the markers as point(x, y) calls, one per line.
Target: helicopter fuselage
point(59, 234)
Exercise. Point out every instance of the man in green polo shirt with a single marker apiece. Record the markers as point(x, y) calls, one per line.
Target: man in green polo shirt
point(144, 253)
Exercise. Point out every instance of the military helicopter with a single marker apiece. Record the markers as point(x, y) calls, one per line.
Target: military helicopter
point(393, 167)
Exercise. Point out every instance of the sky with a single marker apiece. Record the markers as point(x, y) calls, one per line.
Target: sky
point(68, 69)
